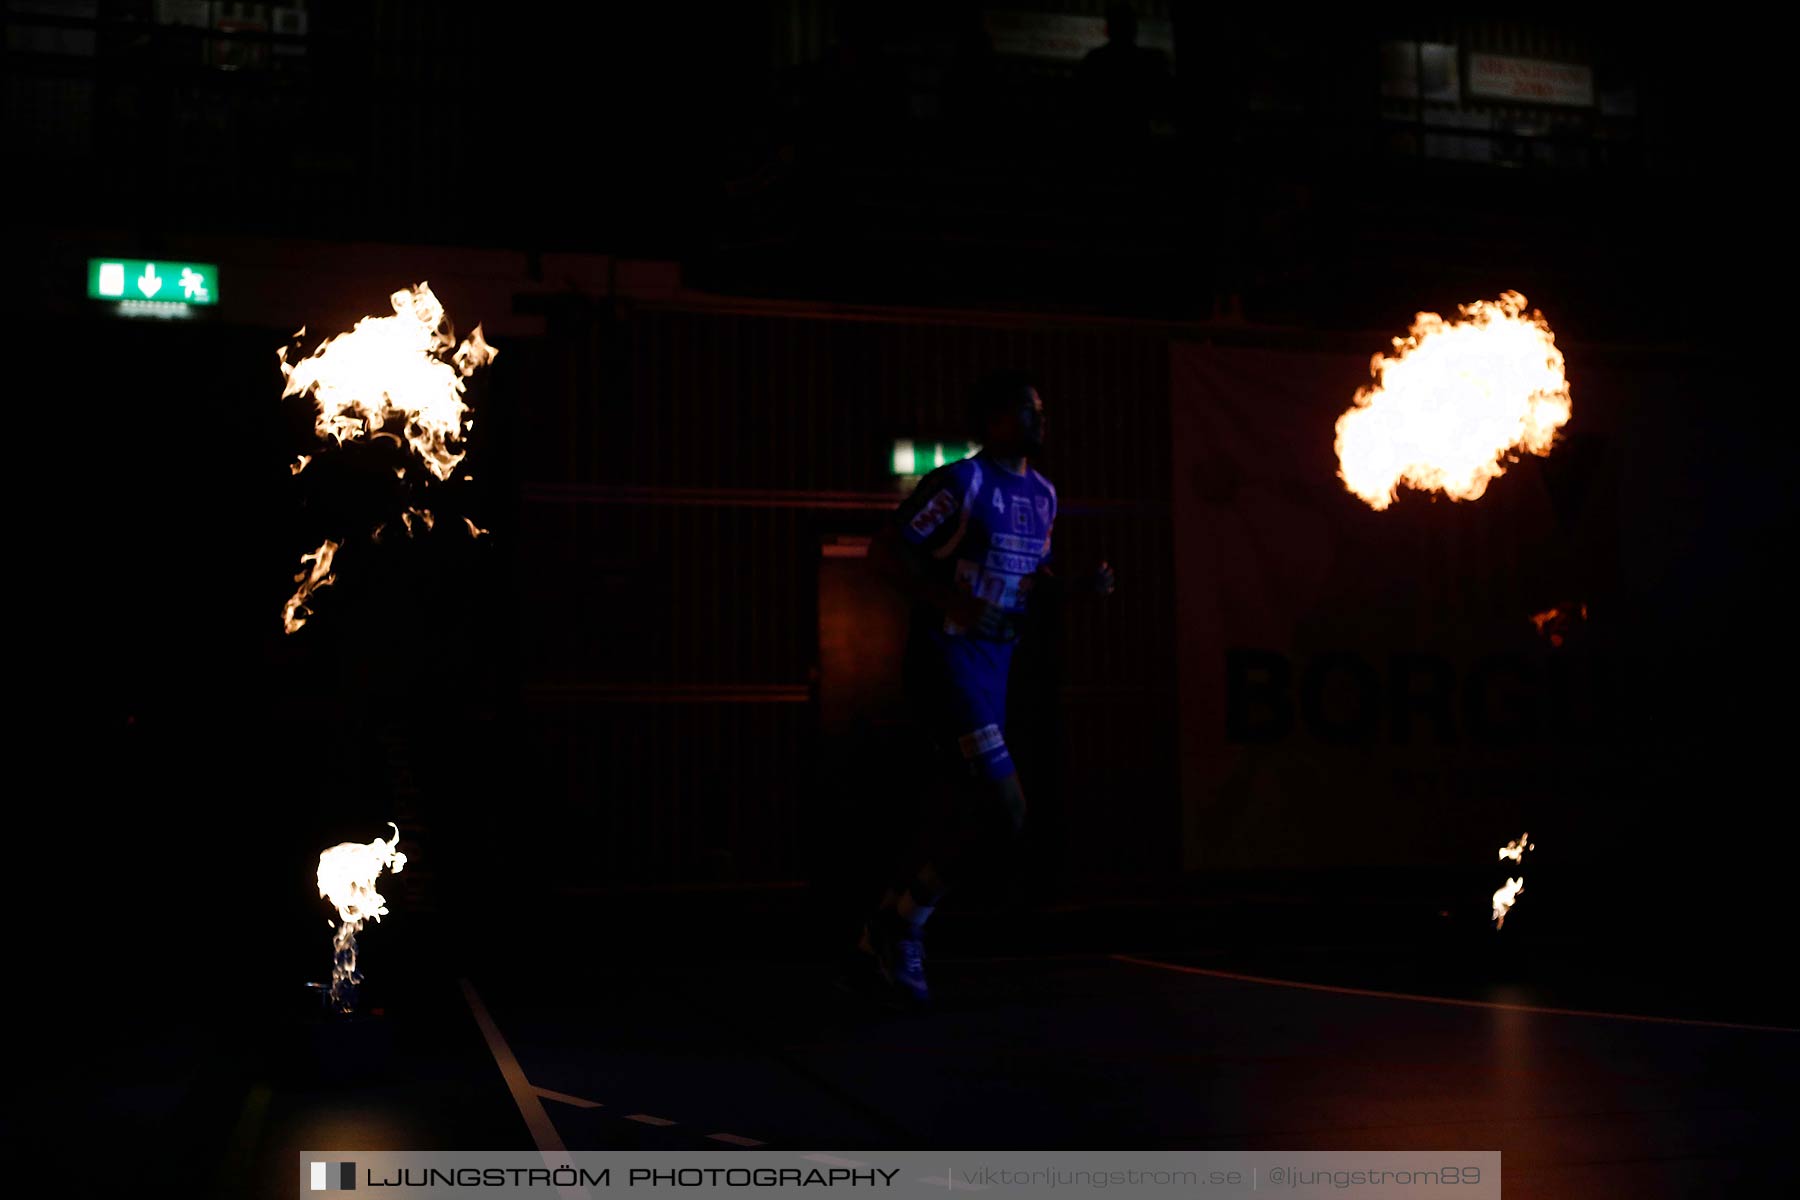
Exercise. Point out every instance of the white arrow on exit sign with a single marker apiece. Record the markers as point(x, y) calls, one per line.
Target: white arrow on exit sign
point(148, 283)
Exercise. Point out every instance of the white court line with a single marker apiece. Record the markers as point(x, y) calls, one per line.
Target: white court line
point(537, 1121)
point(529, 1097)
point(565, 1098)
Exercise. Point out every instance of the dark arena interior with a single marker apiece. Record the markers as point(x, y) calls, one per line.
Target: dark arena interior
point(1315, 821)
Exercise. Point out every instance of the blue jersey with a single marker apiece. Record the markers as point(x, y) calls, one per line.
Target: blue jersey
point(985, 530)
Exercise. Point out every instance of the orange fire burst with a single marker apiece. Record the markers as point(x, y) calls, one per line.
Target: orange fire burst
point(310, 582)
point(1454, 403)
point(388, 373)
point(1554, 623)
point(393, 369)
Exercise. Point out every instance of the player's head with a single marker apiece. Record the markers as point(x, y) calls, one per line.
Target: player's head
point(1006, 414)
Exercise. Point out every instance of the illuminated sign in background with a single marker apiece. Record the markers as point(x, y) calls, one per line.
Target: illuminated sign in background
point(158, 282)
point(1499, 77)
point(916, 458)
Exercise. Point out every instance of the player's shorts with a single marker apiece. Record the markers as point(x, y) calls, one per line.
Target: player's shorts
point(965, 719)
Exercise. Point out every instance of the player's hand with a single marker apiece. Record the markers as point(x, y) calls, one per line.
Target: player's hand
point(1103, 580)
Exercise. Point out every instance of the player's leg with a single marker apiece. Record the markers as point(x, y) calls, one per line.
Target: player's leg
point(938, 717)
point(956, 721)
point(891, 934)
point(992, 808)
point(908, 855)
point(967, 823)
point(989, 813)
point(987, 810)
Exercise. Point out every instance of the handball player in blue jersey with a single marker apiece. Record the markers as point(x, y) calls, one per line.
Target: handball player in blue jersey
point(970, 548)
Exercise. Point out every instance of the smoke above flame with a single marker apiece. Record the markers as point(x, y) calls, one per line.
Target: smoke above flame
point(1454, 403)
point(347, 873)
point(392, 371)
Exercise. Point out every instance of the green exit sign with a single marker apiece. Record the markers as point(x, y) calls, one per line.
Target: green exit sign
point(156, 282)
point(916, 457)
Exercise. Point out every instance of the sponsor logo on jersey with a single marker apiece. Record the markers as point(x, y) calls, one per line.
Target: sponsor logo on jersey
point(1022, 518)
point(980, 741)
point(933, 514)
point(1015, 545)
point(1011, 564)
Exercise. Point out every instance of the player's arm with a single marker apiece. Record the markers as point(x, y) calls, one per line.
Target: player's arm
point(901, 551)
point(1049, 588)
point(1049, 584)
point(906, 568)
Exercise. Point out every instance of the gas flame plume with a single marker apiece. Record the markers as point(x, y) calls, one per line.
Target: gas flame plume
point(394, 370)
point(1455, 402)
point(310, 582)
point(347, 874)
point(1504, 898)
point(1516, 850)
point(398, 378)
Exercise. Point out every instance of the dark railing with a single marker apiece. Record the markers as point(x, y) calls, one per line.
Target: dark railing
point(399, 121)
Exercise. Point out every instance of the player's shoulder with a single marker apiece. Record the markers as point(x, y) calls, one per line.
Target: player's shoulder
point(965, 473)
point(937, 477)
point(1043, 481)
point(955, 478)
